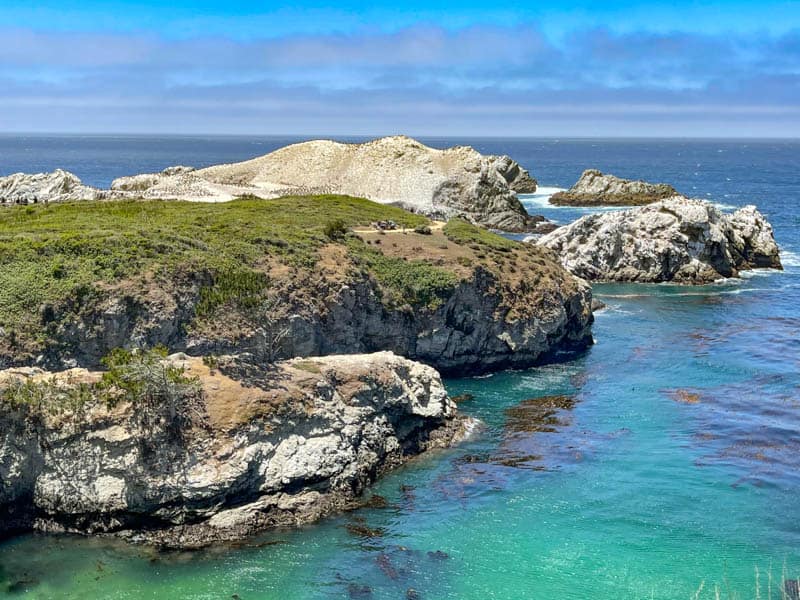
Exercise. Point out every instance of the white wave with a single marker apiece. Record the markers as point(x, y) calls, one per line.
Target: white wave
point(541, 199)
point(789, 258)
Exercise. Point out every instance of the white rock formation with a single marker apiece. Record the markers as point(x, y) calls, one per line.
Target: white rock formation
point(391, 170)
point(58, 186)
point(681, 240)
point(278, 446)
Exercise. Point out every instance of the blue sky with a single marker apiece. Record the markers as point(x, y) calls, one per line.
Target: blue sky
point(435, 67)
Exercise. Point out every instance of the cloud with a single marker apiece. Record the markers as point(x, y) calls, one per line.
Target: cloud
point(486, 79)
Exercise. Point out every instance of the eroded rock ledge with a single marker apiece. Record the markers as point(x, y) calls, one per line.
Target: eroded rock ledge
point(599, 189)
point(680, 240)
point(255, 448)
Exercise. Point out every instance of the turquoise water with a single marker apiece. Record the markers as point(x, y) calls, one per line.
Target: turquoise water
point(668, 467)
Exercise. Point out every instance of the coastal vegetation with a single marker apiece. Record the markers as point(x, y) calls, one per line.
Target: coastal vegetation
point(78, 278)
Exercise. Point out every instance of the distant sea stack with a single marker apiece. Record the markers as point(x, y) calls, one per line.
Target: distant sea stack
point(598, 189)
point(681, 240)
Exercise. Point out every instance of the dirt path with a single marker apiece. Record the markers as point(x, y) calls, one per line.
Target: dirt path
point(434, 226)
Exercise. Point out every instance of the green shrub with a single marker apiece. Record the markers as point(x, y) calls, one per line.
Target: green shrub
point(335, 230)
point(462, 232)
point(414, 282)
point(146, 379)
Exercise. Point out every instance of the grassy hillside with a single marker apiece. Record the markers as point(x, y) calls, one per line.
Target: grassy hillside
point(57, 260)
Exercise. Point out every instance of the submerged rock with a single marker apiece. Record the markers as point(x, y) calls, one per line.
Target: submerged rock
point(598, 189)
point(57, 186)
point(278, 446)
point(680, 240)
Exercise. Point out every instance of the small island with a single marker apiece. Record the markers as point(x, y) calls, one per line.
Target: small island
point(599, 189)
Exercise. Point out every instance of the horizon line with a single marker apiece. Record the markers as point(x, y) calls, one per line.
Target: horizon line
point(330, 136)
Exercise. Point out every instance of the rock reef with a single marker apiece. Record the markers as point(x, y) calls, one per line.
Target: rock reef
point(680, 240)
point(251, 448)
point(598, 189)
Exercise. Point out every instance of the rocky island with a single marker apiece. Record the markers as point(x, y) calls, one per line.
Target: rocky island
point(679, 240)
point(599, 189)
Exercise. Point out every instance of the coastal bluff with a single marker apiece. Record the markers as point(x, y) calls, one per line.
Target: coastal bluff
point(213, 453)
point(680, 240)
point(595, 188)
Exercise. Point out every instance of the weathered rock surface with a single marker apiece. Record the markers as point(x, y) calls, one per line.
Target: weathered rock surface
point(598, 189)
point(486, 324)
point(58, 186)
point(264, 447)
point(680, 240)
point(457, 181)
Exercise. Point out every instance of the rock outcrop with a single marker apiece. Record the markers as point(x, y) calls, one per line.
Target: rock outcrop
point(58, 186)
point(680, 240)
point(398, 170)
point(485, 324)
point(598, 189)
point(250, 448)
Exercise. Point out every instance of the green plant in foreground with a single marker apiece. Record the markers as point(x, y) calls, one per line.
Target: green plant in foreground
point(146, 378)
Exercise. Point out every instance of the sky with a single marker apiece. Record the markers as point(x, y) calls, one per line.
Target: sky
point(419, 67)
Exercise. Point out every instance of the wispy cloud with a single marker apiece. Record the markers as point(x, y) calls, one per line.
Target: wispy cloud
point(477, 79)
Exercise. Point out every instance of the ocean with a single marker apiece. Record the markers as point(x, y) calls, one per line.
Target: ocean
point(666, 466)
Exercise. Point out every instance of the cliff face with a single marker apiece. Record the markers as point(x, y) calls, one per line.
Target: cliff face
point(247, 448)
point(598, 189)
point(485, 323)
point(681, 240)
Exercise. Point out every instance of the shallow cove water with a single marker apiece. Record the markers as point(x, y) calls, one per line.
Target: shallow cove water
point(661, 462)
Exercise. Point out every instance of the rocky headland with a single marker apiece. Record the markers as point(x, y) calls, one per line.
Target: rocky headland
point(599, 189)
point(680, 240)
point(209, 451)
point(261, 422)
point(300, 276)
point(397, 170)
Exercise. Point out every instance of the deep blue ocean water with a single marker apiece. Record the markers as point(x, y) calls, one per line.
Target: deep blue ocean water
point(670, 467)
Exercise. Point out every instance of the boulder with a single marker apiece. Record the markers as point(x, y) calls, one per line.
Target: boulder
point(680, 240)
point(598, 189)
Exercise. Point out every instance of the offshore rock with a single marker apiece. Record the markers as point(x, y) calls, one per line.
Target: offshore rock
point(58, 186)
point(598, 189)
point(398, 170)
point(680, 240)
